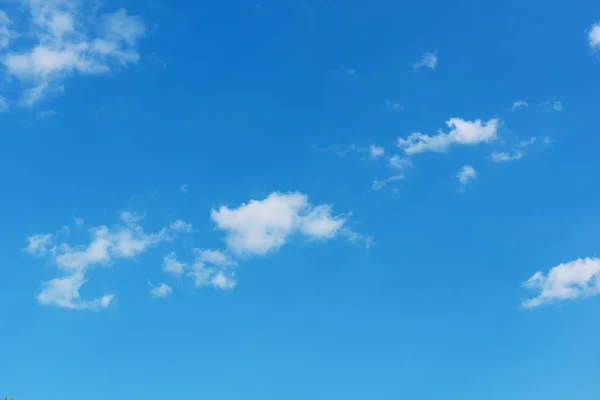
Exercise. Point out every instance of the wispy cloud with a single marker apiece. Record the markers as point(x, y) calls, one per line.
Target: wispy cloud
point(376, 151)
point(466, 174)
point(62, 44)
point(461, 132)
point(429, 60)
point(519, 104)
point(551, 106)
point(161, 291)
point(528, 142)
point(499, 157)
point(575, 279)
point(183, 188)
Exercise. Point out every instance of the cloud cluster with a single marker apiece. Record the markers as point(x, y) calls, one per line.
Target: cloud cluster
point(123, 241)
point(67, 37)
point(572, 280)
point(461, 132)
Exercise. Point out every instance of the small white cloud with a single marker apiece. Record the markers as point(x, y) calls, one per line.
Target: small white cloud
point(398, 165)
point(518, 104)
point(4, 104)
point(376, 151)
point(499, 157)
point(213, 268)
point(528, 142)
point(391, 105)
point(548, 140)
point(64, 292)
point(466, 174)
point(171, 265)
point(461, 133)
point(551, 106)
point(181, 226)
point(183, 188)
point(429, 60)
point(45, 114)
point(160, 291)
point(39, 245)
point(261, 226)
point(78, 221)
point(572, 280)
point(594, 36)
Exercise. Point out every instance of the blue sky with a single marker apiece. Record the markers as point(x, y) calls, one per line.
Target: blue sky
point(299, 199)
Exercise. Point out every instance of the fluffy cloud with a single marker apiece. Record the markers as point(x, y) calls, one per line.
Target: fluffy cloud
point(499, 157)
point(68, 37)
point(171, 265)
point(122, 241)
point(429, 60)
point(575, 279)
point(466, 174)
point(64, 292)
point(261, 226)
point(594, 36)
point(213, 268)
point(376, 151)
point(518, 104)
point(38, 245)
point(461, 133)
point(160, 291)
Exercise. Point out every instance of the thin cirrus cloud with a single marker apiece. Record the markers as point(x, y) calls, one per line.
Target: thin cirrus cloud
point(125, 240)
point(572, 280)
point(462, 132)
point(500, 157)
point(549, 106)
point(69, 37)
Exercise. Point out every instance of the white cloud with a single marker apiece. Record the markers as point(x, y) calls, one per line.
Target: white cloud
point(39, 245)
point(594, 36)
point(213, 268)
point(181, 226)
point(6, 34)
point(528, 142)
point(62, 45)
point(575, 279)
point(183, 188)
point(466, 174)
point(551, 106)
point(399, 165)
point(122, 241)
point(261, 226)
point(4, 104)
point(499, 157)
point(160, 291)
point(64, 292)
point(171, 265)
point(376, 151)
point(428, 60)
point(461, 133)
point(518, 104)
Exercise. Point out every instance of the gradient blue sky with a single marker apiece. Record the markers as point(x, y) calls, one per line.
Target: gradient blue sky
point(299, 200)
